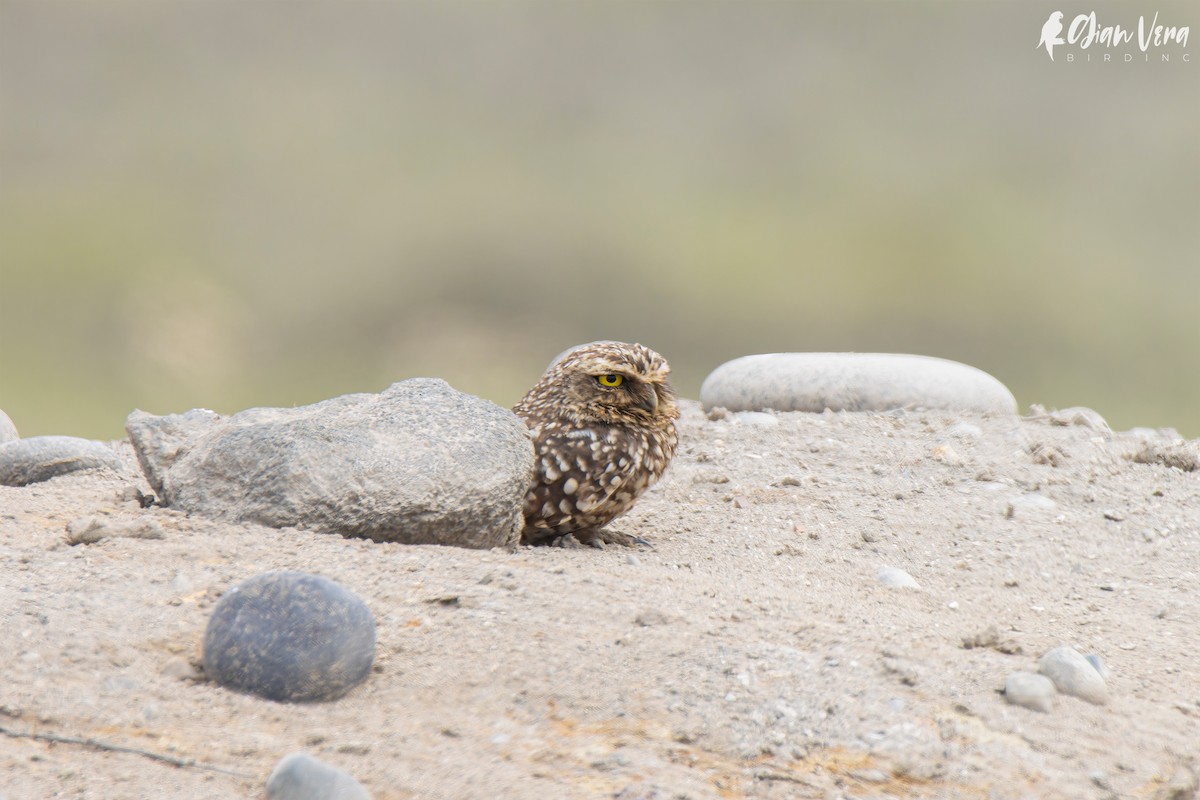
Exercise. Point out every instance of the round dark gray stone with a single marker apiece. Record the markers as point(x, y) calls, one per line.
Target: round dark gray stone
point(290, 637)
point(41, 458)
point(852, 382)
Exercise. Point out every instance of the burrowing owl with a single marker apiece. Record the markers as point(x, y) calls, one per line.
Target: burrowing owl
point(603, 424)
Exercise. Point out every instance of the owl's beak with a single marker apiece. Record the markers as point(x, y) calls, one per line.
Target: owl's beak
point(648, 402)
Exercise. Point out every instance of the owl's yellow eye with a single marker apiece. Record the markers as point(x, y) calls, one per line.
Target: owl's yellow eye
point(610, 380)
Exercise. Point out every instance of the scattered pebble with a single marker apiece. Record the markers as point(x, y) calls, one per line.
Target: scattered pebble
point(179, 668)
point(89, 530)
point(990, 637)
point(869, 775)
point(1029, 690)
point(1031, 502)
point(651, 617)
point(1078, 415)
point(1184, 783)
point(1182, 455)
point(947, 455)
point(852, 382)
point(41, 458)
point(290, 637)
point(1047, 454)
point(1074, 675)
point(896, 578)
point(758, 418)
point(299, 776)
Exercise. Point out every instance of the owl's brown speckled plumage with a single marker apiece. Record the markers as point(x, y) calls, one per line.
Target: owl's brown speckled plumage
point(599, 446)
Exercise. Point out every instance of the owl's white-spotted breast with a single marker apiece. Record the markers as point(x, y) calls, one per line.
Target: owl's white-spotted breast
point(603, 425)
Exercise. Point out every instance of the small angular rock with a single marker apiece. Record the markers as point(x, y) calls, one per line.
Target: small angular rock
point(1073, 674)
point(299, 776)
point(290, 637)
point(41, 458)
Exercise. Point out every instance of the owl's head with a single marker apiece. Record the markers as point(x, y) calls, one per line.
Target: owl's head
point(608, 382)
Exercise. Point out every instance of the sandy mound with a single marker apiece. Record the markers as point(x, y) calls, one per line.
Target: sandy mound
point(754, 652)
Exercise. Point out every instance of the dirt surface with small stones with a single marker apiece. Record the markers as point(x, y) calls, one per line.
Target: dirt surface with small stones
point(752, 652)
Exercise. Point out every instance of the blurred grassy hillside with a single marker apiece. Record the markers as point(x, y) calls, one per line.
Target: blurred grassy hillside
point(227, 204)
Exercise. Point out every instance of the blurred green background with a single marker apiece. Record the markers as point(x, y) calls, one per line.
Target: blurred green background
point(229, 204)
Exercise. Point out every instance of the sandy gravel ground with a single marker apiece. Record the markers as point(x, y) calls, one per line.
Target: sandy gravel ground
point(752, 652)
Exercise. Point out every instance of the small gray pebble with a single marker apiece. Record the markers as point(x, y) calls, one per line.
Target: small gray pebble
point(41, 458)
point(632, 560)
point(896, 578)
point(290, 637)
point(1074, 675)
point(1030, 690)
point(8, 433)
point(299, 776)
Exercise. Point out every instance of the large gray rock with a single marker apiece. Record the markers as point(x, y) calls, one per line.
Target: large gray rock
point(8, 431)
point(40, 458)
point(852, 382)
point(419, 463)
point(302, 777)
